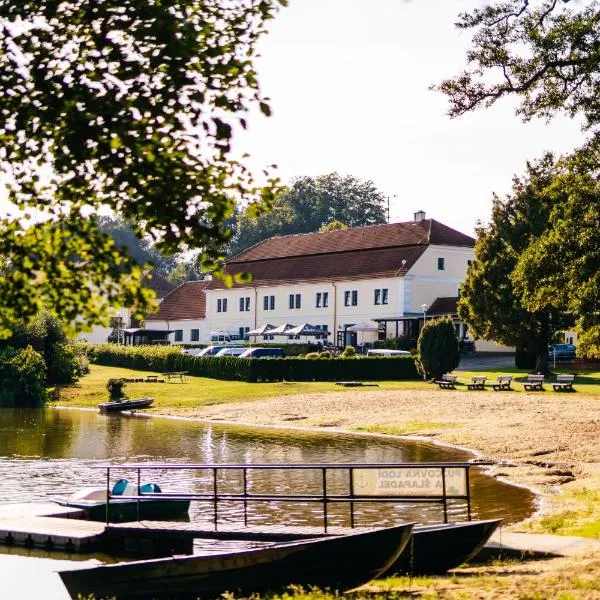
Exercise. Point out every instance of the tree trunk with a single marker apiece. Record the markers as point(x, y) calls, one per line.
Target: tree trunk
point(541, 362)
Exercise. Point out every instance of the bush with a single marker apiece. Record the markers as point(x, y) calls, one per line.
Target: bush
point(348, 352)
point(169, 358)
point(325, 354)
point(22, 377)
point(115, 389)
point(402, 342)
point(437, 348)
point(525, 359)
point(312, 355)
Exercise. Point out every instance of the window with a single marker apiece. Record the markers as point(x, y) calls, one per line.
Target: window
point(351, 298)
point(295, 300)
point(322, 300)
point(381, 296)
point(221, 304)
point(245, 304)
point(268, 302)
point(194, 335)
point(441, 264)
point(179, 335)
point(243, 331)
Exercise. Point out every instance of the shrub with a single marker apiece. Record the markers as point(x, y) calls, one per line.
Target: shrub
point(325, 354)
point(437, 348)
point(115, 389)
point(402, 342)
point(22, 377)
point(312, 355)
point(348, 352)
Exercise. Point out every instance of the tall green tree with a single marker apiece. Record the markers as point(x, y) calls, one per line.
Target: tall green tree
point(546, 52)
point(490, 301)
point(311, 203)
point(128, 104)
point(437, 348)
point(560, 268)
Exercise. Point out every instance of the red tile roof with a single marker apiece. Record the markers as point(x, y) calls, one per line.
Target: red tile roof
point(160, 285)
point(188, 301)
point(412, 233)
point(358, 253)
point(443, 306)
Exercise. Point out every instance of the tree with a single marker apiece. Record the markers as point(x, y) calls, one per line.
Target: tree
point(437, 348)
point(139, 249)
point(129, 105)
point(310, 204)
point(333, 226)
point(540, 50)
point(186, 269)
point(560, 267)
point(490, 301)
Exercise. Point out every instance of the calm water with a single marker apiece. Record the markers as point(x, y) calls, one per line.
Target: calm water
point(50, 452)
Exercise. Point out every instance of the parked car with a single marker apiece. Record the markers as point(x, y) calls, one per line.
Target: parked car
point(263, 353)
point(231, 351)
point(562, 352)
point(210, 351)
point(386, 352)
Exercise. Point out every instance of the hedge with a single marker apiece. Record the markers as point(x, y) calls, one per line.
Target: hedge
point(161, 359)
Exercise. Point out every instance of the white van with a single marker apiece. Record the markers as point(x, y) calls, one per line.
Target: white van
point(386, 352)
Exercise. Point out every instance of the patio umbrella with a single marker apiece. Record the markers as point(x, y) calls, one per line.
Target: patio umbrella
point(262, 330)
point(307, 329)
point(369, 326)
point(281, 329)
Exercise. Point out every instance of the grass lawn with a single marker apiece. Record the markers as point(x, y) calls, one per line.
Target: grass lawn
point(200, 391)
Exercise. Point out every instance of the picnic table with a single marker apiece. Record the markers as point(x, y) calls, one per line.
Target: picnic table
point(564, 383)
point(477, 383)
point(153, 379)
point(447, 381)
point(534, 382)
point(502, 383)
point(172, 375)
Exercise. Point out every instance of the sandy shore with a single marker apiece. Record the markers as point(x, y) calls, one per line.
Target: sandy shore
point(541, 440)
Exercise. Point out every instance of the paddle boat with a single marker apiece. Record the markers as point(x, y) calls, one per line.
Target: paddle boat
point(124, 503)
point(337, 562)
point(125, 404)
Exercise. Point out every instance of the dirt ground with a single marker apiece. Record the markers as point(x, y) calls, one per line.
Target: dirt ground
point(540, 440)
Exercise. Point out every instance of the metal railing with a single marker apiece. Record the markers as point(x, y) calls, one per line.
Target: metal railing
point(432, 482)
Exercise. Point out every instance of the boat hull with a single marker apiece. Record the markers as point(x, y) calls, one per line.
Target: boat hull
point(133, 404)
point(337, 562)
point(127, 510)
point(434, 549)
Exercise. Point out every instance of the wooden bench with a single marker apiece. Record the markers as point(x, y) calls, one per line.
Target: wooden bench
point(171, 375)
point(564, 383)
point(533, 383)
point(502, 383)
point(153, 379)
point(447, 382)
point(477, 383)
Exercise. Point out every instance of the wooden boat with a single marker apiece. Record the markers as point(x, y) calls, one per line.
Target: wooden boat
point(125, 404)
point(434, 549)
point(94, 502)
point(336, 562)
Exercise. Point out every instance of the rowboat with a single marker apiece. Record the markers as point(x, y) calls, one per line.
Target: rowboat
point(94, 502)
point(337, 562)
point(125, 404)
point(434, 549)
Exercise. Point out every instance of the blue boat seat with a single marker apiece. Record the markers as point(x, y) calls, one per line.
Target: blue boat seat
point(150, 488)
point(119, 487)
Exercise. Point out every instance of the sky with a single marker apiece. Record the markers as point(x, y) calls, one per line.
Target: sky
point(348, 84)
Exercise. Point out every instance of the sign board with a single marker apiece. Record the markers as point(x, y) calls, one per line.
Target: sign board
point(410, 481)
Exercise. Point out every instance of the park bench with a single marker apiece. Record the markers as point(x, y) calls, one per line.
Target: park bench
point(564, 383)
point(502, 383)
point(172, 375)
point(477, 383)
point(534, 382)
point(447, 381)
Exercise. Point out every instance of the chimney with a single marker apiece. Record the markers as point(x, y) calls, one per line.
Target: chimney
point(419, 215)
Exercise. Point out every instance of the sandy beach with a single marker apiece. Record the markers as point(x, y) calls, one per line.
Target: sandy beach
point(541, 440)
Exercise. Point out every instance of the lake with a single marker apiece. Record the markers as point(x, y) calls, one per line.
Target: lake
point(45, 453)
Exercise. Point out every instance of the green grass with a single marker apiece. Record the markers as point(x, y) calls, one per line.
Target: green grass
point(406, 428)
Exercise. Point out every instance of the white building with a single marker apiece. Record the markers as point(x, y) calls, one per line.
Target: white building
point(395, 274)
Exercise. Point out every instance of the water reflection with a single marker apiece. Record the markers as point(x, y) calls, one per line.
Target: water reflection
point(49, 452)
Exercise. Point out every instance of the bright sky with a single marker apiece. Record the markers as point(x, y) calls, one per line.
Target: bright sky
point(348, 82)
